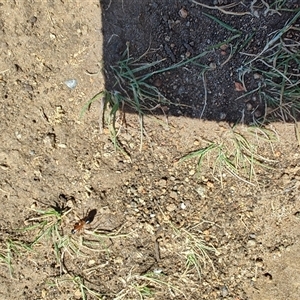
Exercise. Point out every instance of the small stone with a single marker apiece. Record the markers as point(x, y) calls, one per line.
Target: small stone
point(182, 206)
point(52, 36)
point(201, 191)
point(210, 184)
point(162, 183)
point(257, 76)
point(257, 113)
point(224, 291)
point(173, 195)
point(71, 83)
point(251, 243)
point(33, 205)
point(63, 146)
point(206, 232)
point(150, 166)
point(91, 262)
point(44, 294)
point(183, 13)
point(249, 106)
point(222, 115)
point(49, 140)
point(171, 207)
point(213, 66)
point(141, 189)
point(259, 264)
point(192, 172)
point(18, 135)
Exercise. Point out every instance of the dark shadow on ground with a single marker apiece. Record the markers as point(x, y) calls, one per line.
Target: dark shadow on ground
point(219, 85)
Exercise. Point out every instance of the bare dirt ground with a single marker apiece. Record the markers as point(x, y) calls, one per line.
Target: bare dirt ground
point(152, 212)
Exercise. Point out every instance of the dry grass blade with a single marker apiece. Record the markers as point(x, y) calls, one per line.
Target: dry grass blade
point(79, 283)
point(147, 285)
point(197, 252)
point(223, 9)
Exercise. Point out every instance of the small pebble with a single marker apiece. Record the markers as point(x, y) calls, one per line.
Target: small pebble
point(224, 291)
point(49, 140)
point(249, 106)
point(257, 76)
point(150, 166)
point(182, 206)
point(183, 13)
point(162, 183)
point(251, 244)
point(201, 191)
point(77, 294)
point(91, 262)
point(171, 207)
point(71, 83)
point(192, 172)
point(63, 146)
point(213, 65)
point(222, 115)
point(257, 113)
point(173, 195)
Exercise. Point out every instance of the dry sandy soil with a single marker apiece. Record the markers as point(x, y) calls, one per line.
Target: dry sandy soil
point(153, 215)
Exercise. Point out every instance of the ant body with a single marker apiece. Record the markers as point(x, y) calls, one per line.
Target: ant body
point(80, 224)
point(86, 220)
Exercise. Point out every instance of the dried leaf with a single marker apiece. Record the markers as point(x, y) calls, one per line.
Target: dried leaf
point(239, 87)
point(224, 47)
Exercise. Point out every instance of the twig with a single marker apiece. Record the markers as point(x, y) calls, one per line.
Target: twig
point(205, 94)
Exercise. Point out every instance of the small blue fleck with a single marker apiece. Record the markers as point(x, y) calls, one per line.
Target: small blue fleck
point(71, 83)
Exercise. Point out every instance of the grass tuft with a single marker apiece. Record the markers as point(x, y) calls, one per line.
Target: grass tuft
point(235, 153)
point(195, 250)
point(49, 227)
point(12, 249)
point(278, 66)
point(79, 285)
point(147, 285)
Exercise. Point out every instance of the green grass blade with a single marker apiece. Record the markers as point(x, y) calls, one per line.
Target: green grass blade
point(223, 24)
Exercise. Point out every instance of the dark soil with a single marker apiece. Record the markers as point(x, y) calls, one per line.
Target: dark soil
point(175, 30)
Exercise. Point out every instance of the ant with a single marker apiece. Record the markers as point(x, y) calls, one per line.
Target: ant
point(80, 224)
point(86, 220)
